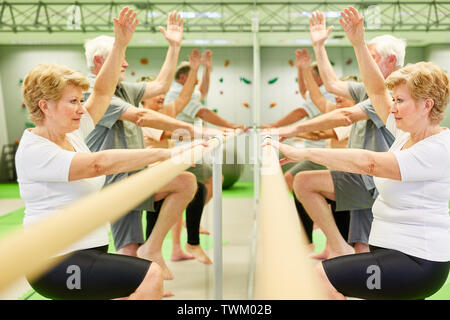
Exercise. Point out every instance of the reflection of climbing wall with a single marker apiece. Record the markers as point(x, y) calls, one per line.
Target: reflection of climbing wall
point(279, 88)
point(227, 92)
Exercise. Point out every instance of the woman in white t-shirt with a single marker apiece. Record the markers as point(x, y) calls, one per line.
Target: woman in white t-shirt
point(409, 239)
point(55, 168)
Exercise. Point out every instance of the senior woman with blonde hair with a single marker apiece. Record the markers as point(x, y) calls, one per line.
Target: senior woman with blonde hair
point(409, 240)
point(55, 168)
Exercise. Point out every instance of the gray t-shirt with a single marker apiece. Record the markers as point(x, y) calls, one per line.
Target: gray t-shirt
point(189, 112)
point(369, 134)
point(112, 133)
point(312, 111)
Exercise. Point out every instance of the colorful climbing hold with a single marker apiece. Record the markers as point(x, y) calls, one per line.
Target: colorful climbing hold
point(144, 61)
point(245, 80)
point(273, 80)
point(349, 61)
point(221, 92)
point(227, 62)
point(221, 80)
point(245, 104)
point(291, 63)
point(273, 104)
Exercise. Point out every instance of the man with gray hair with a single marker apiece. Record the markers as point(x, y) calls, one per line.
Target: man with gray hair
point(119, 128)
point(352, 192)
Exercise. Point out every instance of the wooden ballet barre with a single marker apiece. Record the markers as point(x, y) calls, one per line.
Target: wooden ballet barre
point(283, 270)
point(27, 252)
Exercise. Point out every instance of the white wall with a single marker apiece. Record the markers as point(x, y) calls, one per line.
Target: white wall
point(440, 55)
point(15, 63)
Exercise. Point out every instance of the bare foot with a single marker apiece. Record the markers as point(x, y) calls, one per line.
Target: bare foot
point(344, 251)
point(198, 253)
point(321, 256)
point(361, 247)
point(201, 230)
point(168, 294)
point(157, 258)
point(179, 255)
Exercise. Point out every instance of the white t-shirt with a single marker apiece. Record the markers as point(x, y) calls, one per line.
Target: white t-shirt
point(412, 215)
point(43, 176)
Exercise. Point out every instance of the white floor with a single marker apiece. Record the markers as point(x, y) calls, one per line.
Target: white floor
point(193, 280)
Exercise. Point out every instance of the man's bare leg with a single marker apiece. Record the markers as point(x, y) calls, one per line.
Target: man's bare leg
point(177, 194)
point(312, 188)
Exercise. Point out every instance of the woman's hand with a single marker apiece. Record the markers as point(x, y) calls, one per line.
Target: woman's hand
point(353, 25)
point(174, 32)
point(124, 26)
point(318, 29)
point(303, 59)
point(194, 59)
point(291, 154)
point(287, 132)
point(206, 59)
point(183, 148)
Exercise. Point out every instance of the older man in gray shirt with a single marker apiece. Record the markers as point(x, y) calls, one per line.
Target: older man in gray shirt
point(350, 191)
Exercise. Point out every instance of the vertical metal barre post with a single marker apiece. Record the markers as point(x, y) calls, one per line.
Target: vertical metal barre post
point(217, 209)
point(256, 149)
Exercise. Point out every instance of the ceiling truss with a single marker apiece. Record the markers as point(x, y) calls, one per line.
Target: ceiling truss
point(79, 16)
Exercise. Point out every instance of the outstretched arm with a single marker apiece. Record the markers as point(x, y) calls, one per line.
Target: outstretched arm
point(378, 164)
point(211, 117)
point(372, 77)
point(107, 79)
point(88, 165)
point(336, 118)
point(290, 118)
point(319, 33)
point(182, 100)
point(206, 61)
point(300, 78)
point(174, 35)
point(314, 92)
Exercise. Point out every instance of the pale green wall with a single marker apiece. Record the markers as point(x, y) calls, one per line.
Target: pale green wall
point(15, 63)
point(440, 54)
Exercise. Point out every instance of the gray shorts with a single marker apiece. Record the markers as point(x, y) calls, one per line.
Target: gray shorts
point(305, 165)
point(360, 225)
point(350, 191)
point(128, 228)
point(202, 171)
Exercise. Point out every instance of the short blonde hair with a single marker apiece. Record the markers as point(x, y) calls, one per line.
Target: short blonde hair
point(47, 82)
point(424, 80)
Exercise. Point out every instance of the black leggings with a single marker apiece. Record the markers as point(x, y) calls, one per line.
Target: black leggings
point(385, 274)
point(342, 219)
point(92, 274)
point(193, 215)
